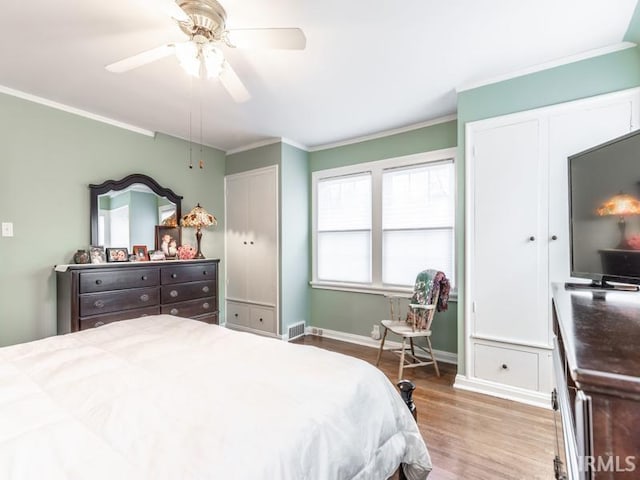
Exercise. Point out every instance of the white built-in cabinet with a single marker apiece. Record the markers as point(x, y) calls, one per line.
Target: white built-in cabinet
point(251, 200)
point(517, 236)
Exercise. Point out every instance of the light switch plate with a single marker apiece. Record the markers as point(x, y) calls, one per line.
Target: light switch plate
point(7, 229)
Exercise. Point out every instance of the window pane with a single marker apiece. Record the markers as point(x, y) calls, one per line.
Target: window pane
point(418, 197)
point(344, 203)
point(344, 256)
point(406, 253)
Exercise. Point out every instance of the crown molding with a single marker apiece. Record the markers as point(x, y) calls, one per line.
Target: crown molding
point(548, 65)
point(384, 133)
point(76, 111)
point(251, 146)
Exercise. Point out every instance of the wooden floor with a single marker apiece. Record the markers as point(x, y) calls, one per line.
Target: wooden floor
point(469, 436)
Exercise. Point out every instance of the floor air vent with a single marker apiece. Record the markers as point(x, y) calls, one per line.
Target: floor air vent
point(296, 330)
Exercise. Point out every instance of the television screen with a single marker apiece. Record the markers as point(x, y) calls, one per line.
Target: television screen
point(604, 191)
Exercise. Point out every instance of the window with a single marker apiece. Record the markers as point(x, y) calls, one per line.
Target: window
point(377, 224)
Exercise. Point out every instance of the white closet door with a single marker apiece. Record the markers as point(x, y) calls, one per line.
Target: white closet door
point(237, 236)
point(510, 278)
point(263, 219)
point(569, 133)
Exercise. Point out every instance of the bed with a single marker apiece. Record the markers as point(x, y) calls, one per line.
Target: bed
point(162, 397)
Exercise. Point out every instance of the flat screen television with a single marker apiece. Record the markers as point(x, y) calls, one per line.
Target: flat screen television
point(604, 208)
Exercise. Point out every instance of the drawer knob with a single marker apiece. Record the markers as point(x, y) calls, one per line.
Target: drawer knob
point(205, 289)
point(144, 297)
point(244, 243)
point(174, 275)
point(205, 305)
point(144, 277)
point(98, 324)
point(504, 366)
point(235, 315)
point(260, 319)
point(204, 272)
point(98, 304)
point(532, 238)
point(174, 311)
point(554, 237)
point(98, 282)
point(251, 242)
point(173, 293)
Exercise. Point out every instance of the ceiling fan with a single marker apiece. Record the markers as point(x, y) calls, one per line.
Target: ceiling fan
point(204, 22)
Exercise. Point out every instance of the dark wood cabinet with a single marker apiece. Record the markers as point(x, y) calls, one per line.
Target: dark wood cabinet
point(92, 295)
point(597, 369)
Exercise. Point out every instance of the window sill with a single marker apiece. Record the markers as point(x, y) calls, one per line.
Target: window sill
point(371, 289)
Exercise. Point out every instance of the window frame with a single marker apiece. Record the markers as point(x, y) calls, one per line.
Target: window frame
point(376, 169)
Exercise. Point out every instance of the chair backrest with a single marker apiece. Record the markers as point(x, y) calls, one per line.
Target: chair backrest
point(426, 291)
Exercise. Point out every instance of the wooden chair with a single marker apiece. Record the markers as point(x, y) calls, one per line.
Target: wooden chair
point(416, 325)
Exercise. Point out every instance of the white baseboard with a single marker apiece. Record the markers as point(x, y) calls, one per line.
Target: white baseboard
point(536, 399)
point(242, 328)
point(441, 356)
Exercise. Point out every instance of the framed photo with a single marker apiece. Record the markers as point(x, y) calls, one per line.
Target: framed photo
point(117, 255)
point(141, 253)
point(156, 255)
point(167, 240)
point(97, 254)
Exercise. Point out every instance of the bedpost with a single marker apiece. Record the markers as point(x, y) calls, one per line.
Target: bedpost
point(406, 392)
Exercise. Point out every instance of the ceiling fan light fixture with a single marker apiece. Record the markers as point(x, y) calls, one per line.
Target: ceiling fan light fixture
point(187, 55)
point(213, 60)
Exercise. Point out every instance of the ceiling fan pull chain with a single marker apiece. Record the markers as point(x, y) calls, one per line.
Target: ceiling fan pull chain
point(190, 114)
point(201, 163)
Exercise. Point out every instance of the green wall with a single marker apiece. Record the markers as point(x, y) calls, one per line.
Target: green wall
point(357, 312)
point(48, 159)
point(586, 78)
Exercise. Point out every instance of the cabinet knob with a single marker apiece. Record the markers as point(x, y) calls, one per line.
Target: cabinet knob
point(504, 366)
point(244, 243)
point(235, 315)
point(143, 278)
point(205, 305)
point(98, 324)
point(251, 242)
point(174, 275)
point(532, 238)
point(205, 289)
point(144, 297)
point(554, 237)
point(173, 293)
point(260, 319)
point(98, 282)
point(98, 304)
point(174, 311)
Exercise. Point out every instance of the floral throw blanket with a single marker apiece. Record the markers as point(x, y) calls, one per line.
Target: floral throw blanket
point(429, 284)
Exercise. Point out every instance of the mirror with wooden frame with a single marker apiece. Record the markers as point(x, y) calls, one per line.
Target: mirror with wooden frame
point(125, 212)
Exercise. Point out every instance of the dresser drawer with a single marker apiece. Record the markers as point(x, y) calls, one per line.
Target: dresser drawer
point(263, 318)
point(99, 320)
point(118, 279)
point(187, 273)
point(238, 314)
point(106, 302)
point(517, 368)
point(192, 308)
point(186, 291)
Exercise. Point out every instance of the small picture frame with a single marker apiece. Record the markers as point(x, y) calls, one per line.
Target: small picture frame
point(156, 255)
point(168, 240)
point(117, 255)
point(141, 253)
point(97, 254)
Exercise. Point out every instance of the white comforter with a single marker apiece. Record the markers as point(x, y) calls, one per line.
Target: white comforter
point(167, 398)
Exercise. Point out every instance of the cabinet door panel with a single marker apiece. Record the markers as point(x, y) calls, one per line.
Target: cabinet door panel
point(570, 133)
point(237, 199)
point(509, 217)
point(263, 246)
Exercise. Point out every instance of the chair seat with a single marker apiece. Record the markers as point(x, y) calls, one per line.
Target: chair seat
point(404, 329)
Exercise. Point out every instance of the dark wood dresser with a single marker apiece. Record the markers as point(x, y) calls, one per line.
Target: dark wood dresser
point(597, 369)
point(92, 295)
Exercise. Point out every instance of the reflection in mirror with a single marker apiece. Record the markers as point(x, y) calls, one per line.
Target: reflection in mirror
point(128, 217)
point(124, 213)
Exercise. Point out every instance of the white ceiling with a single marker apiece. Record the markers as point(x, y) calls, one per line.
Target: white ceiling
point(369, 65)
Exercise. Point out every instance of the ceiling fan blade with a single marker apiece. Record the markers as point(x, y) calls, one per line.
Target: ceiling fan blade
point(169, 8)
point(282, 38)
point(140, 59)
point(232, 83)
